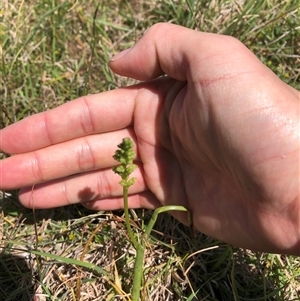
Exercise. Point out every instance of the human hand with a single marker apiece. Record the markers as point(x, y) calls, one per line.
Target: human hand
point(219, 135)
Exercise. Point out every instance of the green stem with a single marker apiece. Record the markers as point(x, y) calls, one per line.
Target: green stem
point(139, 261)
point(140, 251)
point(165, 209)
point(138, 272)
point(127, 221)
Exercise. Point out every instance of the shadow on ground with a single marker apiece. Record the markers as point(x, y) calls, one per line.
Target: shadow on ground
point(16, 279)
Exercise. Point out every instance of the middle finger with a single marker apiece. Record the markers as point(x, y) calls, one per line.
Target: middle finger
point(64, 159)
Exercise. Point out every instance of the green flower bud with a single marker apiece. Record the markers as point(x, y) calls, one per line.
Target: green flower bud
point(125, 155)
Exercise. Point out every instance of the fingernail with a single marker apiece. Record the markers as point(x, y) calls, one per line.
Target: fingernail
point(120, 54)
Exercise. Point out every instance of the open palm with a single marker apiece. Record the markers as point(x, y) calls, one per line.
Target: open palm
point(219, 135)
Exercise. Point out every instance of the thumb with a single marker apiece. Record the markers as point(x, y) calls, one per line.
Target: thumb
point(162, 50)
point(175, 50)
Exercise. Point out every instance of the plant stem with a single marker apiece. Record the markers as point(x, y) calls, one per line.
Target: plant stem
point(127, 221)
point(138, 272)
point(165, 209)
point(140, 250)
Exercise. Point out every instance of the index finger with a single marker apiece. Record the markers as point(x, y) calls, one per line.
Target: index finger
point(107, 111)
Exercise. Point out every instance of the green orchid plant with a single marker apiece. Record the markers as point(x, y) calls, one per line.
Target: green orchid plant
point(125, 156)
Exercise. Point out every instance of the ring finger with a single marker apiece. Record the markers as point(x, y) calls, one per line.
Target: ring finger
point(88, 188)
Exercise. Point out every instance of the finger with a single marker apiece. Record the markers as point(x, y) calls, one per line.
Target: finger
point(170, 49)
point(152, 56)
point(91, 114)
point(95, 186)
point(61, 160)
point(144, 199)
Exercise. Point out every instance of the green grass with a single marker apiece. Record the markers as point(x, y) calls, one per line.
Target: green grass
point(54, 51)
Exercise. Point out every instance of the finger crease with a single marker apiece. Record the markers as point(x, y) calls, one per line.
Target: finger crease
point(46, 129)
point(103, 186)
point(65, 194)
point(36, 168)
point(86, 159)
point(86, 119)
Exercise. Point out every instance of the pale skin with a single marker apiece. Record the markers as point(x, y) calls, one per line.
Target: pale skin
point(219, 135)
